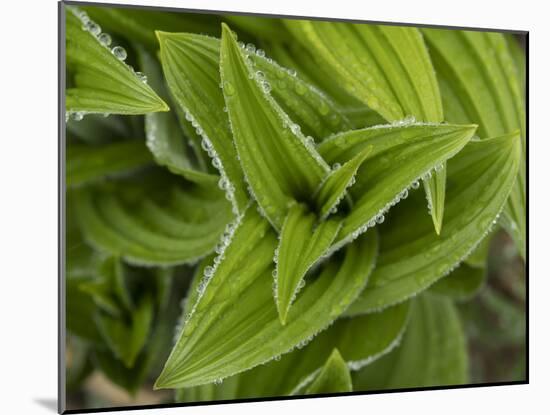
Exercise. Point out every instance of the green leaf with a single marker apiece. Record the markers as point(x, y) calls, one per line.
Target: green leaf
point(126, 341)
point(164, 135)
point(360, 340)
point(301, 245)
point(191, 68)
point(411, 258)
point(480, 83)
point(236, 304)
point(140, 25)
point(400, 156)
point(461, 284)
point(333, 189)
point(87, 163)
point(261, 26)
point(316, 113)
point(102, 83)
point(282, 167)
point(387, 68)
point(432, 353)
point(152, 219)
point(334, 377)
point(80, 309)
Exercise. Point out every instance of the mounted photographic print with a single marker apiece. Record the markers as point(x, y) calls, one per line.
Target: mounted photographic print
point(261, 207)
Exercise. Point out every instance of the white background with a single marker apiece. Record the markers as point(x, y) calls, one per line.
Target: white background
point(28, 203)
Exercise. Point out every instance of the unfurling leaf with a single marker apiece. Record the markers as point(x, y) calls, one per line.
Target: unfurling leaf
point(301, 245)
point(332, 190)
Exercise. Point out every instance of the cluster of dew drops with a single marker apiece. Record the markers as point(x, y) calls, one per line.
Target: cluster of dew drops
point(105, 40)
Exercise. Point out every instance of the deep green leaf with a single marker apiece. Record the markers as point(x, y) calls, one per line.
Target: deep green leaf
point(282, 167)
point(461, 284)
point(140, 25)
point(87, 163)
point(400, 156)
point(80, 309)
point(153, 219)
point(126, 341)
point(102, 83)
point(432, 353)
point(301, 245)
point(236, 304)
point(411, 257)
point(334, 377)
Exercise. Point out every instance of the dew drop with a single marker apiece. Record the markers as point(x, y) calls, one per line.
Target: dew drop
point(142, 77)
point(77, 116)
point(336, 166)
point(300, 89)
point(250, 48)
point(295, 128)
point(228, 88)
point(379, 219)
point(92, 27)
point(260, 53)
point(104, 39)
point(439, 167)
point(415, 184)
point(119, 52)
point(324, 108)
point(266, 87)
point(292, 72)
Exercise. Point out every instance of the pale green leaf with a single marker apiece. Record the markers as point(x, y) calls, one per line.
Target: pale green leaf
point(333, 188)
point(432, 353)
point(411, 257)
point(282, 167)
point(152, 219)
point(301, 245)
point(191, 68)
point(164, 136)
point(100, 82)
point(88, 163)
point(400, 156)
point(334, 377)
point(236, 305)
point(461, 284)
